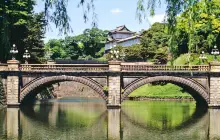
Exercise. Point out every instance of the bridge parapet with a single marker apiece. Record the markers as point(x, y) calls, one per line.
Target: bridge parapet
point(143, 68)
point(206, 78)
point(112, 66)
point(65, 67)
point(215, 67)
point(3, 67)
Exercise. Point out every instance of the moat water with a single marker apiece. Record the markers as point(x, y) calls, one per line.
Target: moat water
point(88, 119)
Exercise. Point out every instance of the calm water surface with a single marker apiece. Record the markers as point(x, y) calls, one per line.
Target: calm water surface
point(88, 119)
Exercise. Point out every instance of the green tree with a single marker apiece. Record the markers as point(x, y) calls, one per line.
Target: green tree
point(155, 41)
point(88, 45)
point(93, 41)
point(136, 53)
point(206, 28)
point(34, 40)
point(73, 48)
point(17, 23)
point(54, 49)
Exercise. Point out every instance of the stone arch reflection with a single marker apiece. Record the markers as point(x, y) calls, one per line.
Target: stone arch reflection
point(203, 128)
point(60, 115)
point(198, 130)
point(172, 116)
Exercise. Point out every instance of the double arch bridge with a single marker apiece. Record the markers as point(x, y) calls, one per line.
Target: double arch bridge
point(21, 81)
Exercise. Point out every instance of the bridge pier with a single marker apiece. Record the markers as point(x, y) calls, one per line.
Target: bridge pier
point(13, 84)
point(114, 124)
point(114, 85)
point(214, 101)
point(13, 123)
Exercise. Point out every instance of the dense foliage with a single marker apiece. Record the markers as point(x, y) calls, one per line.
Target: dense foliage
point(155, 40)
point(195, 13)
point(88, 45)
point(203, 31)
point(153, 46)
point(194, 32)
point(20, 26)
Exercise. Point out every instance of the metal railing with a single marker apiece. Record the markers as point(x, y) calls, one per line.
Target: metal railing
point(64, 67)
point(146, 68)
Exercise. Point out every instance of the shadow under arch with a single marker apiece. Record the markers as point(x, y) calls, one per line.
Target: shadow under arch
point(198, 92)
point(30, 90)
point(196, 116)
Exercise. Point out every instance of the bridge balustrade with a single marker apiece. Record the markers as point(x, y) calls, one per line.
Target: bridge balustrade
point(65, 67)
point(142, 68)
point(3, 67)
point(104, 67)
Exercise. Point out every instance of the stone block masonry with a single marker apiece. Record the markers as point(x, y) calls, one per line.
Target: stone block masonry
point(114, 85)
point(13, 84)
point(12, 90)
point(204, 80)
point(2, 93)
point(114, 90)
point(214, 91)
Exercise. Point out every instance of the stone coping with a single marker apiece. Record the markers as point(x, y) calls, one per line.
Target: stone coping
point(215, 63)
point(13, 62)
point(114, 62)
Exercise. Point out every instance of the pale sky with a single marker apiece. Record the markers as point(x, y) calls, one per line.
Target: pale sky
point(111, 13)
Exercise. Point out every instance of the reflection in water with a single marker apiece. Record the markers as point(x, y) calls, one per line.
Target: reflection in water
point(162, 115)
point(157, 120)
point(89, 120)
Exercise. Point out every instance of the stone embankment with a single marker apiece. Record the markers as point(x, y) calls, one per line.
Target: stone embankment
point(73, 89)
point(159, 99)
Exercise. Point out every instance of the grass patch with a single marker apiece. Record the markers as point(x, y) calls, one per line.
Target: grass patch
point(183, 59)
point(161, 91)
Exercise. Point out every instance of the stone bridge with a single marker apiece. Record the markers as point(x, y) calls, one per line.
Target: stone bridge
point(23, 81)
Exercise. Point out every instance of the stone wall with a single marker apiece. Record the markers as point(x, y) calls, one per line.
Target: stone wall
point(114, 90)
point(2, 94)
point(73, 89)
point(214, 91)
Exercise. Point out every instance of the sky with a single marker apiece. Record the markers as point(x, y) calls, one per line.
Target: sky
point(111, 13)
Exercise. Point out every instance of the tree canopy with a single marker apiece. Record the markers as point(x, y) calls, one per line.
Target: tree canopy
point(205, 28)
point(88, 45)
point(20, 26)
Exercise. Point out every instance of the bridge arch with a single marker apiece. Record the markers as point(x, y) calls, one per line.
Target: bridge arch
point(201, 94)
point(39, 82)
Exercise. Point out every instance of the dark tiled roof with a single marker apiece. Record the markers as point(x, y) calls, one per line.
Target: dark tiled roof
point(121, 29)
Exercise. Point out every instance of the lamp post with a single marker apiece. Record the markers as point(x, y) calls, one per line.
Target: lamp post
point(26, 56)
point(114, 54)
point(14, 51)
point(215, 52)
point(202, 57)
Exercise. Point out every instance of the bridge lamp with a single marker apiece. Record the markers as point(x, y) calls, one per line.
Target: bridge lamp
point(26, 56)
point(114, 54)
point(202, 57)
point(215, 52)
point(14, 51)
